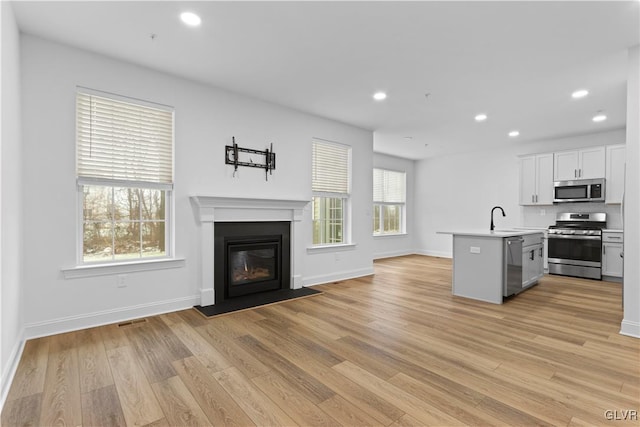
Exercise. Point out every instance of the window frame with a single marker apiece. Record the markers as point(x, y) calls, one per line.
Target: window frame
point(326, 197)
point(139, 263)
point(345, 197)
point(168, 224)
point(381, 205)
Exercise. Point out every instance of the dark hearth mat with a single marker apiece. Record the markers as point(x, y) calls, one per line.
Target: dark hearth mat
point(254, 300)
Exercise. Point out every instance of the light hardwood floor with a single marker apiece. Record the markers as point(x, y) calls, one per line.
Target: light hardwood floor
point(393, 349)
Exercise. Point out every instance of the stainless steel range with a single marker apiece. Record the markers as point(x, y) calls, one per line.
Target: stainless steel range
point(575, 245)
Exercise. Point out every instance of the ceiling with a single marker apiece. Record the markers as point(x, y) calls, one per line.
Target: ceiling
point(440, 63)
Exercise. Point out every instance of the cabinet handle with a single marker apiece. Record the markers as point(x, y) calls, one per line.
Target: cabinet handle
point(575, 173)
point(579, 173)
point(532, 254)
point(614, 237)
point(540, 252)
point(621, 254)
point(604, 249)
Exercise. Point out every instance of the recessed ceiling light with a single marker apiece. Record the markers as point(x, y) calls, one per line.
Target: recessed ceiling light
point(514, 133)
point(190, 18)
point(481, 117)
point(599, 117)
point(408, 138)
point(581, 93)
point(379, 96)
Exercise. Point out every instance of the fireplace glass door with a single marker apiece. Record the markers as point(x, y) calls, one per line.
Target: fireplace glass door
point(253, 267)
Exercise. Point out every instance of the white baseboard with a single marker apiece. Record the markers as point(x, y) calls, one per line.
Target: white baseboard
point(9, 371)
point(438, 254)
point(74, 323)
point(392, 254)
point(631, 329)
point(336, 277)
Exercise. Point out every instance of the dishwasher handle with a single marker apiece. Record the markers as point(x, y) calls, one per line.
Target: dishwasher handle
point(509, 242)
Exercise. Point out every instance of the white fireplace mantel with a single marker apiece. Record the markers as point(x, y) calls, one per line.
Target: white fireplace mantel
point(210, 210)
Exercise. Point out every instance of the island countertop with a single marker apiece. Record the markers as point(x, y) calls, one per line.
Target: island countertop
point(500, 233)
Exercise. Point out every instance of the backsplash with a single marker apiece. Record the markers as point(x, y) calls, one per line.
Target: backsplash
point(544, 216)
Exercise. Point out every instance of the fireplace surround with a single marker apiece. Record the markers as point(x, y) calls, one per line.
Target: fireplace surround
point(211, 211)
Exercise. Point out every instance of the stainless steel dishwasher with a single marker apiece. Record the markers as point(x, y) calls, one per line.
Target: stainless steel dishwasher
point(512, 266)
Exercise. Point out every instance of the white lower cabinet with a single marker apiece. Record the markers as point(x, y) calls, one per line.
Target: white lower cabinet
point(612, 247)
point(532, 259)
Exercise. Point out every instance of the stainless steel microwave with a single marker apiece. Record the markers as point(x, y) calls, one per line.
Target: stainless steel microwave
point(582, 190)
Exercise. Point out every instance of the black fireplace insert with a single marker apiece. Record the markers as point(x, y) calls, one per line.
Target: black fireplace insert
point(251, 257)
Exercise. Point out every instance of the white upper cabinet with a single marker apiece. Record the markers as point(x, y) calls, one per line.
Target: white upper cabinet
point(592, 164)
point(565, 166)
point(587, 163)
point(536, 180)
point(614, 184)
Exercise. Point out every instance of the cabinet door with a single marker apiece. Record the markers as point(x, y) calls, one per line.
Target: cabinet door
point(614, 184)
point(527, 180)
point(544, 184)
point(539, 264)
point(531, 265)
point(611, 259)
point(565, 165)
point(591, 163)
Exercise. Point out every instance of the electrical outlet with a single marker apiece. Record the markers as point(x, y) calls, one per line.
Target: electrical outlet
point(337, 256)
point(121, 280)
point(474, 249)
point(543, 212)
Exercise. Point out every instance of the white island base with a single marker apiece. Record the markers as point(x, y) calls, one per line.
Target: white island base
point(479, 266)
point(478, 275)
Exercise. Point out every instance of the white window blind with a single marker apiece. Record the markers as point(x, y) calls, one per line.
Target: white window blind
point(123, 142)
point(388, 186)
point(330, 168)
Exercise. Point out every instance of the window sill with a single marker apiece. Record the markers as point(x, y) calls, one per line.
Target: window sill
point(331, 248)
point(120, 268)
point(391, 235)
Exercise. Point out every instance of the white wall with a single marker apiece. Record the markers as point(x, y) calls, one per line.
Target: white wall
point(388, 246)
point(631, 321)
point(205, 120)
point(11, 323)
point(457, 192)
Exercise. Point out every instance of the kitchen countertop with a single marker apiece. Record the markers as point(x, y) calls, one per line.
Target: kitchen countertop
point(499, 233)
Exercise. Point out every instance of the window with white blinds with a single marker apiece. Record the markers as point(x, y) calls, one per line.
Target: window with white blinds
point(330, 168)
point(331, 164)
point(389, 186)
point(389, 196)
point(124, 153)
point(123, 142)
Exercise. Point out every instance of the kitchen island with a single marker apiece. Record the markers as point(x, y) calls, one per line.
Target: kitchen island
point(491, 265)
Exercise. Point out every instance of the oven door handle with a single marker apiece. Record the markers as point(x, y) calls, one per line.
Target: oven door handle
point(573, 236)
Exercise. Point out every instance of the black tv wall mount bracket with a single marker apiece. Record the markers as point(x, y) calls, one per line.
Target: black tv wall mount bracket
point(238, 156)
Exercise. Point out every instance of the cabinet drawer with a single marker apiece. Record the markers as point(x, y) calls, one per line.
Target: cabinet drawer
point(612, 237)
